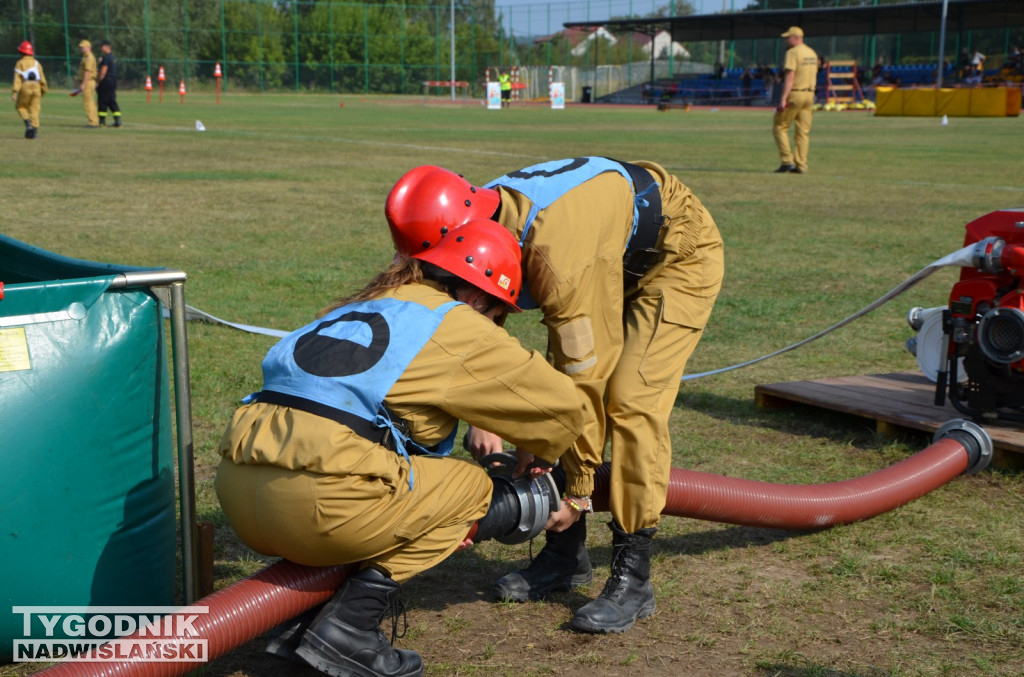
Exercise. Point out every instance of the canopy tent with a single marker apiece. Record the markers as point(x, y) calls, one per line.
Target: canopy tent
point(827, 21)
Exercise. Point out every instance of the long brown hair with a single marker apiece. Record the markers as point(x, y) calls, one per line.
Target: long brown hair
point(403, 270)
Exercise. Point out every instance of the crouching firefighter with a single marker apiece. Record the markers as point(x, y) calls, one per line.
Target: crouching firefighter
point(342, 456)
point(625, 263)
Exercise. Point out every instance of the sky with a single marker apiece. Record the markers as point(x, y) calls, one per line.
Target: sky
point(533, 17)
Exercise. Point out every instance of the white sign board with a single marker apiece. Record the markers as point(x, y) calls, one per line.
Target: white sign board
point(557, 94)
point(493, 96)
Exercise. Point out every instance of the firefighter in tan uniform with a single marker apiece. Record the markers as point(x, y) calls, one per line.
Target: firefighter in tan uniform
point(87, 84)
point(311, 469)
point(28, 88)
point(797, 107)
point(626, 264)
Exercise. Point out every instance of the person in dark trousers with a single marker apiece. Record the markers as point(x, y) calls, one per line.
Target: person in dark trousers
point(106, 85)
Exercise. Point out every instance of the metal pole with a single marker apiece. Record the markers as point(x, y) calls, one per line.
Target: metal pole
point(452, 83)
point(186, 462)
point(942, 45)
point(67, 42)
point(175, 280)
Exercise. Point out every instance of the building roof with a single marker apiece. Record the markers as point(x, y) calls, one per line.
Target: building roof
point(828, 21)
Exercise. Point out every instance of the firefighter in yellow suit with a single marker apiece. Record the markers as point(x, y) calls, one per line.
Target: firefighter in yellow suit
point(306, 477)
point(87, 84)
point(28, 88)
point(800, 76)
point(625, 263)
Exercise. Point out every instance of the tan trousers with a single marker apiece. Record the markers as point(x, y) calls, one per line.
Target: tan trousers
point(663, 322)
point(322, 520)
point(800, 110)
point(29, 102)
point(89, 103)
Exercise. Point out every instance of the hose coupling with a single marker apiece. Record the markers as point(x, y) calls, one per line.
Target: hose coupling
point(974, 439)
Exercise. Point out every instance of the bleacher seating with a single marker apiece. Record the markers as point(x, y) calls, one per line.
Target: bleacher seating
point(728, 90)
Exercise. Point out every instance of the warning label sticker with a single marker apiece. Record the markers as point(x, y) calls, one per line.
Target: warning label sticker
point(14, 350)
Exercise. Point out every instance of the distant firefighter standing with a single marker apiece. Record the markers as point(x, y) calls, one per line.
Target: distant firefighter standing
point(799, 76)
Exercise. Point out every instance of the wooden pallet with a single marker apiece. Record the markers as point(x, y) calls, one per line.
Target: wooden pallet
point(896, 402)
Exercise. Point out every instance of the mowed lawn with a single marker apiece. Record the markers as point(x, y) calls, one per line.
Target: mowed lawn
point(277, 208)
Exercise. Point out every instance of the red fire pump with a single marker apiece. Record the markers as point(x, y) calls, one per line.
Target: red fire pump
point(983, 326)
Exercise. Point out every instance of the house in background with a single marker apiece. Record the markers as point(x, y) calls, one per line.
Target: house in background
point(580, 40)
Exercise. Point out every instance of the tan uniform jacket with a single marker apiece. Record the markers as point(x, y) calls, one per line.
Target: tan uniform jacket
point(24, 64)
point(87, 65)
point(803, 61)
point(470, 369)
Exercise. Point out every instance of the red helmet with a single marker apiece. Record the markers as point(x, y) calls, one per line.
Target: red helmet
point(26, 48)
point(483, 254)
point(429, 201)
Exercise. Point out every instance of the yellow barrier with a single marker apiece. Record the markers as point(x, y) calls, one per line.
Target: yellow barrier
point(975, 102)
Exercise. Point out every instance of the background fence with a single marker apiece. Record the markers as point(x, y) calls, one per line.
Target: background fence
point(371, 47)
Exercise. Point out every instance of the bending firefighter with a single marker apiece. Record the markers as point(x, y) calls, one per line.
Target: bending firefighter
point(625, 263)
point(342, 456)
point(28, 89)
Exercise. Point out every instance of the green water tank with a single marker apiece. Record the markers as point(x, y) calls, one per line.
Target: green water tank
point(87, 514)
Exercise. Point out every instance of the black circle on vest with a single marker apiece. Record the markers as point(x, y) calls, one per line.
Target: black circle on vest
point(331, 357)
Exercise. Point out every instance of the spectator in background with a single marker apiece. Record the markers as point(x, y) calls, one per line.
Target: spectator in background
point(978, 62)
point(964, 65)
point(771, 88)
point(719, 71)
point(106, 85)
point(505, 80)
point(746, 85)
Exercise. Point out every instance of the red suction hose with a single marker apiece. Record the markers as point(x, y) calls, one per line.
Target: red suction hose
point(249, 608)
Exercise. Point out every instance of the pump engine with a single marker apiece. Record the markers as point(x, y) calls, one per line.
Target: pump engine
point(983, 324)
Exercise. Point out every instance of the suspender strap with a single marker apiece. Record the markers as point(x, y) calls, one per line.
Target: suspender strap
point(640, 250)
point(358, 425)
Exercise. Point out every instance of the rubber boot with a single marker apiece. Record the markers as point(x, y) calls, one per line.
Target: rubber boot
point(345, 638)
point(628, 594)
point(563, 564)
point(117, 119)
point(30, 131)
point(285, 638)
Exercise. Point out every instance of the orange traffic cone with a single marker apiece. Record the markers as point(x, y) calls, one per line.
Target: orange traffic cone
point(181, 90)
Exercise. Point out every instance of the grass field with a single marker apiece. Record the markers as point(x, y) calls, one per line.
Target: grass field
point(278, 207)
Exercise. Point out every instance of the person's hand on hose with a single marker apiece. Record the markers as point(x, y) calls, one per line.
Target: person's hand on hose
point(480, 443)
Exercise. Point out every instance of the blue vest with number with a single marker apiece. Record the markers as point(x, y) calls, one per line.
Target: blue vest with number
point(545, 183)
point(348, 360)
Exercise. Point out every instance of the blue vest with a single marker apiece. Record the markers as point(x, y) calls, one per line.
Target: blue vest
point(342, 365)
point(545, 183)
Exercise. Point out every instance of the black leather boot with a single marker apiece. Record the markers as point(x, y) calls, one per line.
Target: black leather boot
point(283, 640)
point(563, 564)
point(345, 638)
point(628, 594)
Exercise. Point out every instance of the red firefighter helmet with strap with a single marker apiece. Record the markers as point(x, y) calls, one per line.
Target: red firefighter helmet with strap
point(428, 202)
point(483, 254)
point(26, 48)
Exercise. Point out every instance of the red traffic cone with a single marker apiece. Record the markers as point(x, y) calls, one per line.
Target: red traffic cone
point(181, 90)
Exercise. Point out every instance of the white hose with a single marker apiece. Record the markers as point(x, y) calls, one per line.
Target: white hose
point(961, 258)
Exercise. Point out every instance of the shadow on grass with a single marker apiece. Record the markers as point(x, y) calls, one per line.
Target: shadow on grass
point(468, 576)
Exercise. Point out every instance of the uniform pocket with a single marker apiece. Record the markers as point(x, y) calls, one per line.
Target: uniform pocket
point(680, 321)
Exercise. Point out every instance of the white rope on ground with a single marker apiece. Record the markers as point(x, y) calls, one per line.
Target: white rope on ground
point(958, 258)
